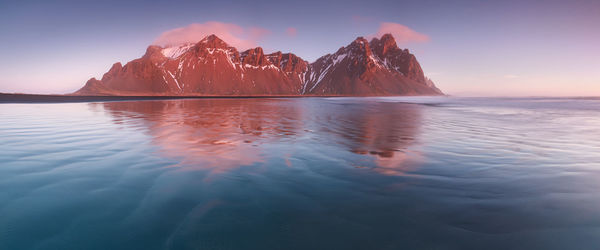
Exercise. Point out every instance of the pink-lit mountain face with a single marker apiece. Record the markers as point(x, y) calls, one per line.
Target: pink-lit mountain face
point(211, 67)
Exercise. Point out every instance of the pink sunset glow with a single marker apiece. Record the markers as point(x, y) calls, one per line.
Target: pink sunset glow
point(237, 36)
point(472, 48)
point(291, 31)
point(401, 33)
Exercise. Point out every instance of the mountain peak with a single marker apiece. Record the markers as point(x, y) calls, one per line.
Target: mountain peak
point(212, 37)
point(387, 38)
point(254, 57)
point(152, 51)
point(360, 45)
point(213, 41)
point(383, 45)
point(359, 40)
point(212, 67)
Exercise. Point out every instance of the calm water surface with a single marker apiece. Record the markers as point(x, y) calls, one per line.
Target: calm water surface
point(309, 173)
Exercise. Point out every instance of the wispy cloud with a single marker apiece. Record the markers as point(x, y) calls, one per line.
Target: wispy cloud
point(291, 31)
point(511, 76)
point(401, 33)
point(235, 35)
point(361, 19)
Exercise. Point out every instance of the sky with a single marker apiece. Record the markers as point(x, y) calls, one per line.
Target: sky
point(468, 48)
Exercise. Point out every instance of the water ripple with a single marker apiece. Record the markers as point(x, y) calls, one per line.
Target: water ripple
point(308, 173)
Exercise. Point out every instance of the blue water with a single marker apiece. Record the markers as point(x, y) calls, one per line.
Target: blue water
point(306, 173)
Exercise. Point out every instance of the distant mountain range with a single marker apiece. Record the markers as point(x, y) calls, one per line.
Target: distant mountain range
point(213, 68)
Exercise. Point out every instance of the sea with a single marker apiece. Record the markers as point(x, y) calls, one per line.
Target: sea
point(301, 173)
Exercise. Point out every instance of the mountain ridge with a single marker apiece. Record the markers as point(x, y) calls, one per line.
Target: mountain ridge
point(211, 67)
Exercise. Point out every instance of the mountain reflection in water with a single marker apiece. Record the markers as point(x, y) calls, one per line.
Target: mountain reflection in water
point(223, 134)
point(302, 173)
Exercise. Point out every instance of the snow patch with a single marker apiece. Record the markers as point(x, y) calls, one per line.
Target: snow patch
point(303, 81)
point(376, 61)
point(270, 66)
point(339, 58)
point(176, 82)
point(176, 51)
point(180, 67)
point(321, 76)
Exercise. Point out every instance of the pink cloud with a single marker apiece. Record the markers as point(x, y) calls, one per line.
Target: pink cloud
point(291, 31)
point(401, 33)
point(361, 19)
point(233, 34)
point(258, 33)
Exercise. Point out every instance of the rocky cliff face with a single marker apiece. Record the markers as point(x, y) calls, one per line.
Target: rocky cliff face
point(377, 67)
point(212, 67)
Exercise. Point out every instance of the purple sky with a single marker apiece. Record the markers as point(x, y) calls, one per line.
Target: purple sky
point(500, 48)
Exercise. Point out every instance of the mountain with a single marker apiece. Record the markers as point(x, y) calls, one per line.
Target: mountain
point(212, 67)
